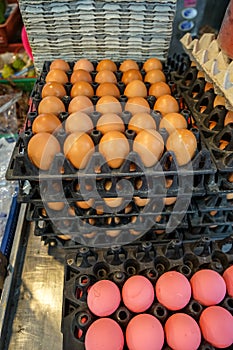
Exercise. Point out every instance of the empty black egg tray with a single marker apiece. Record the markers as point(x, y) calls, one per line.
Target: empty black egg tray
point(85, 266)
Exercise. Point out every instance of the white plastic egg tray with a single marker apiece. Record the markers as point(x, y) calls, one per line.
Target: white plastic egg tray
point(209, 58)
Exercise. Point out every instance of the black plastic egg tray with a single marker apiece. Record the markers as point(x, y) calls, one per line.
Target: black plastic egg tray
point(108, 230)
point(85, 266)
point(108, 186)
point(127, 209)
point(201, 105)
point(214, 202)
point(21, 168)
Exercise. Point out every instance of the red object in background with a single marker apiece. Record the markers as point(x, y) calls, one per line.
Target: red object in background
point(26, 44)
point(225, 37)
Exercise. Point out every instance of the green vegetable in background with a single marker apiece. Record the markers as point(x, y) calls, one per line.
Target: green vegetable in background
point(7, 71)
point(18, 63)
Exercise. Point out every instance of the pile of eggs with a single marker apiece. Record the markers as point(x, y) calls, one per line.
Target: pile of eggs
point(173, 291)
point(81, 85)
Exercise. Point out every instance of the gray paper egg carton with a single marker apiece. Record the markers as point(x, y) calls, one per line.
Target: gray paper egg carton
point(97, 29)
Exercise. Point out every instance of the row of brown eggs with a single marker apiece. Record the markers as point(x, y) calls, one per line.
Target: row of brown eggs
point(114, 146)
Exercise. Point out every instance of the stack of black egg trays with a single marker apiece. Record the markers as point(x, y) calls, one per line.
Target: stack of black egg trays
point(141, 182)
point(215, 209)
point(85, 266)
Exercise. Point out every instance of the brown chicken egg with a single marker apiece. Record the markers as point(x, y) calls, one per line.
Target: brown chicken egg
point(46, 122)
point(108, 104)
point(80, 75)
point(85, 204)
point(219, 100)
point(141, 202)
point(149, 145)
point(135, 88)
point(223, 144)
point(78, 121)
point(52, 88)
point(169, 200)
point(166, 104)
point(128, 64)
point(152, 63)
point(78, 149)
point(113, 202)
point(82, 88)
point(81, 104)
point(141, 121)
point(105, 89)
point(200, 74)
point(106, 64)
point(159, 88)
point(56, 205)
point(51, 104)
point(114, 147)
point(172, 121)
point(130, 75)
point(60, 64)
point(105, 76)
point(137, 105)
point(57, 75)
point(42, 149)
point(228, 118)
point(154, 75)
point(208, 86)
point(110, 122)
point(184, 144)
point(84, 64)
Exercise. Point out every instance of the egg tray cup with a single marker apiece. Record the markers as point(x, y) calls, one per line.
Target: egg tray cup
point(85, 266)
point(213, 232)
point(214, 202)
point(57, 244)
point(212, 218)
point(219, 184)
point(107, 231)
point(223, 158)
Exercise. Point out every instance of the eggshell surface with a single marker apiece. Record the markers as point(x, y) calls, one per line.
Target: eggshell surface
point(46, 122)
point(228, 278)
point(173, 290)
point(149, 145)
point(42, 149)
point(103, 298)
point(216, 325)
point(183, 143)
point(208, 287)
point(78, 121)
point(138, 293)
point(78, 149)
point(110, 122)
point(166, 104)
point(81, 103)
point(108, 104)
point(144, 331)
point(182, 332)
point(114, 146)
point(141, 121)
point(51, 104)
point(104, 334)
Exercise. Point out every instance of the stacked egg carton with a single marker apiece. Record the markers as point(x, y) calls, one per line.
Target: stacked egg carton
point(105, 286)
point(207, 91)
point(133, 179)
point(96, 29)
